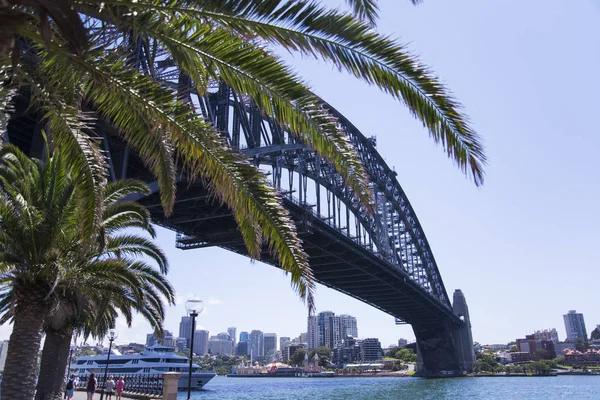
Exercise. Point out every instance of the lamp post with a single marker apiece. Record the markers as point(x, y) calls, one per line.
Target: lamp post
point(112, 335)
point(193, 308)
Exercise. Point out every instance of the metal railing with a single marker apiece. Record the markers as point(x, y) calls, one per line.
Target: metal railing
point(151, 384)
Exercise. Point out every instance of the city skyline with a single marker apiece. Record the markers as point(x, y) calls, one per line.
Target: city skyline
point(496, 243)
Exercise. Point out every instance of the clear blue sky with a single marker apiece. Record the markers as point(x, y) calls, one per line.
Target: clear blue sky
point(524, 247)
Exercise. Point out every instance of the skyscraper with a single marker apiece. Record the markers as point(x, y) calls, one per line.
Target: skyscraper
point(244, 336)
point(185, 328)
point(329, 329)
point(232, 331)
point(151, 339)
point(270, 344)
point(201, 342)
point(312, 333)
point(348, 326)
point(575, 326)
point(256, 344)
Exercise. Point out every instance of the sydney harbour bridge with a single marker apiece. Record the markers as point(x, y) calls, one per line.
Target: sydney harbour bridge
point(382, 259)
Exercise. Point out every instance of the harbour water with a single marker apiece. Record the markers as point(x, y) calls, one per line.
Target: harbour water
point(521, 388)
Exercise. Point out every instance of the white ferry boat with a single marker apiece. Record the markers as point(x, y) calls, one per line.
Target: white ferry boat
point(152, 361)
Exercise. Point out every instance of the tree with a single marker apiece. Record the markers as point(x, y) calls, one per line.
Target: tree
point(595, 335)
point(48, 266)
point(104, 278)
point(298, 357)
point(324, 354)
point(580, 345)
point(406, 355)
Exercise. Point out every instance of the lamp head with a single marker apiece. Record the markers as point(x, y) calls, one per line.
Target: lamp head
point(194, 307)
point(112, 334)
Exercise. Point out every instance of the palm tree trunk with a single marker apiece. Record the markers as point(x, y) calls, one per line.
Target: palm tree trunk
point(18, 380)
point(52, 367)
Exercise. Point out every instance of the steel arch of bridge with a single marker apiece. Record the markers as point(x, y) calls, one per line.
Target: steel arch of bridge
point(393, 233)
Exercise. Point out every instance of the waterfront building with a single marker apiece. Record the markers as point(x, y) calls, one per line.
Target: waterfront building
point(244, 336)
point(217, 345)
point(371, 349)
point(402, 342)
point(575, 326)
point(242, 349)
point(232, 331)
point(256, 344)
point(270, 345)
point(168, 339)
point(519, 357)
point(561, 347)
point(3, 353)
point(185, 328)
point(348, 326)
point(152, 339)
point(200, 342)
point(348, 352)
point(537, 348)
point(546, 334)
point(224, 336)
point(325, 329)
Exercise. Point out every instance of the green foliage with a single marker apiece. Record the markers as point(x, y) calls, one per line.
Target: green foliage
point(324, 354)
point(406, 355)
point(298, 357)
point(580, 345)
point(486, 362)
point(220, 364)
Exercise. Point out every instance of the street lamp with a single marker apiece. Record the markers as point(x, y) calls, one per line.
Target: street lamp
point(112, 335)
point(193, 308)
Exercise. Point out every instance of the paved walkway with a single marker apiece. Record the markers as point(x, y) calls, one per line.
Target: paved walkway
point(79, 395)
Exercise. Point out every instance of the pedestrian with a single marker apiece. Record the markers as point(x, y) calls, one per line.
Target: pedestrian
point(70, 388)
point(120, 387)
point(110, 387)
point(90, 386)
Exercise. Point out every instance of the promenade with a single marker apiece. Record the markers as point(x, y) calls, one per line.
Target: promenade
point(79, 395)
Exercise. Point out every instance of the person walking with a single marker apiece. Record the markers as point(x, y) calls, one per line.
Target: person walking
point(120, 387)
point(110, 387)
point(70, 388)
point(90, 387)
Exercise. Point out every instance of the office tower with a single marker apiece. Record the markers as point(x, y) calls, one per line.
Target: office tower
point(256, 344)
point(328, 329)
point(312, 333)
point(232, 331)
point(224, 336)
point(270, 344)
point(151, 339)
point(575, 326)
point(181, 344)
point(220, 346)
point(201, 342)
point(348, 326)
point(402, 342)
point(244, 336)
point(241, 349)
point(185, 328)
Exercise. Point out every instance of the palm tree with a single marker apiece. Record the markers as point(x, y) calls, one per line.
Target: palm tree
point(50, 272)
point(101, 280)
point(85, 56)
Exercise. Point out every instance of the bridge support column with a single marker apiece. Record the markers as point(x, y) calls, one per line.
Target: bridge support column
point(446, 349)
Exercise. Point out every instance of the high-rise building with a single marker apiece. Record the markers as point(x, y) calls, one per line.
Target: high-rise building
point(181, 343)
point(244, 336)
point(151, 339)
point(232, 331)
point(370, 349)
point(201, 342)
point(270, 344)
point(546, 334)
point(312, 333)
point(224, 336)
point(185, 328)
point(241, 349)
point(348, 326)
point(256, 343)
point(328, 330)
point(402, 342)
point(575, 326)
point(3, 353)
point(216, 345)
